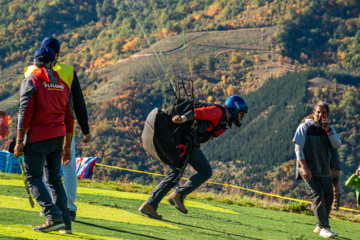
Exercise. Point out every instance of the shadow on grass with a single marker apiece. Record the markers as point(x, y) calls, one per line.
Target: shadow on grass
point(305, 223)
point(241, 223)
point(225, 233)
point(116, 230)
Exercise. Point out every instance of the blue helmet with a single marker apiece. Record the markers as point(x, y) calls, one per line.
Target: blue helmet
point(236, 104)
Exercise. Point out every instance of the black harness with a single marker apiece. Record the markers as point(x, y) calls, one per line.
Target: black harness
point(174, 143)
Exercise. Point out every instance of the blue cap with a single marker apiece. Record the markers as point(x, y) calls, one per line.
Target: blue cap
point(51, 43)
point(45, 54)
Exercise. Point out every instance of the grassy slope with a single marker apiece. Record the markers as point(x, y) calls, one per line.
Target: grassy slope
point(110, 214)
point(197, 45)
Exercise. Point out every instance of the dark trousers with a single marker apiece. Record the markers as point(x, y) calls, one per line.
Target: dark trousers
point(45, 156)
point(321, 193)
point(199, 162)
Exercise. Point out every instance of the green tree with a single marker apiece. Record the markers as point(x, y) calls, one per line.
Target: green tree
point(349, 104)
point(210, 63)
point(196, 66)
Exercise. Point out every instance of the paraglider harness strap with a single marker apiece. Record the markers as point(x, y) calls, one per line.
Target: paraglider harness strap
point(222, 124)
point(194, 129)
point(188, 157)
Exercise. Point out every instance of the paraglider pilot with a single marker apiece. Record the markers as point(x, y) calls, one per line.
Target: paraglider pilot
point(214, 119)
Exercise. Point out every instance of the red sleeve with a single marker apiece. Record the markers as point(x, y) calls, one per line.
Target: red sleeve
point(212, 114)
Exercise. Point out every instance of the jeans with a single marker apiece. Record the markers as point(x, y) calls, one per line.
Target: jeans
point(320, 192)
point(199, 162)
point(45, 157)
point(71, 179)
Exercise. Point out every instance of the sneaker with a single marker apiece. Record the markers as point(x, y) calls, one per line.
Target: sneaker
point(149, 210)
point(317, 229)
point(72, 215)
point(49, 226)
point(66, 230)
point(327, 233)
point(177, 200)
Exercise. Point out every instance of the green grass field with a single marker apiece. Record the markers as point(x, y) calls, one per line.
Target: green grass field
point(104, 213)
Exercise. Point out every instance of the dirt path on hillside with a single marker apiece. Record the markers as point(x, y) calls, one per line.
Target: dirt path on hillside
point(125, 60)
point(142, 55)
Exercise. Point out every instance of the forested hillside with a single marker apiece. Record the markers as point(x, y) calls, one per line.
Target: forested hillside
point(127, 52)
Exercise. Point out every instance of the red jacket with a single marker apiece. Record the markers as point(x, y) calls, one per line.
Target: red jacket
point(212, 114)
point(44, 106)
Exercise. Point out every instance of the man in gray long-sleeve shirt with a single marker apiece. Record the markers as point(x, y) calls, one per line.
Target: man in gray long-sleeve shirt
point(313, 142)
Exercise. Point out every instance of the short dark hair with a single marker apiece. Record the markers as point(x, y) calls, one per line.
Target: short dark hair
point(42, 64)
point(322, 104)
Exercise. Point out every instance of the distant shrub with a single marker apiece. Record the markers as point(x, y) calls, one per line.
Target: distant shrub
point(217, 74)
point(235, 57)
point(296, 207)
point(220, 27)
